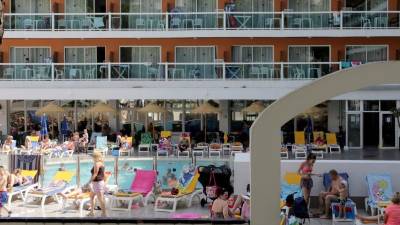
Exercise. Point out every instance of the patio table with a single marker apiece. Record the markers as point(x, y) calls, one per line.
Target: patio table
point(121, 70)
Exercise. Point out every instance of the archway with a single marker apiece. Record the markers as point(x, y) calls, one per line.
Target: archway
point(265, 131)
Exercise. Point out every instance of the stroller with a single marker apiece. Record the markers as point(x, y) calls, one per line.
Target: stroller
point(219, 176)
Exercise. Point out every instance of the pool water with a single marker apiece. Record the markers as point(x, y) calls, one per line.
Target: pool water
point(126, 170)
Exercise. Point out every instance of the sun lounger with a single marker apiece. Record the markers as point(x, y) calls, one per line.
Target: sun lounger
point(141, 190)
point(101, 145)
point(236, 147)
point(60, 184)
point(25, 188)
point(379, 190)
point(187, 194)
point(331, 141)
point(215, 149)
point(319, 149)
point(290, 185)
point(299, 147)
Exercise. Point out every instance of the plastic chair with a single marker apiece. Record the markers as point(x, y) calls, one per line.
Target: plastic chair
point(140, 23)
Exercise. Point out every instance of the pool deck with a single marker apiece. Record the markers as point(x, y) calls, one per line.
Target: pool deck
point(53, 210)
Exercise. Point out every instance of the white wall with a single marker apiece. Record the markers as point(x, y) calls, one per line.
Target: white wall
point(357, 170)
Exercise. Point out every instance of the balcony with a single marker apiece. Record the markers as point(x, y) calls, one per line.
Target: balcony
point(165, 71)
point(285, 20)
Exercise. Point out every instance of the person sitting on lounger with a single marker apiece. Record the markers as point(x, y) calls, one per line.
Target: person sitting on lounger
point(183, 144)
point(326, 198)
point(76, 195)
point(243, 203)
point(391, 216)
point(319, 141)
point(45, 145)
point(7, 146)
point(16, 178)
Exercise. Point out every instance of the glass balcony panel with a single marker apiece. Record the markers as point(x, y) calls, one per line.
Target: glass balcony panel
point(27, 21)
point(139, 71)
point(80, 21)
point(311, 20)
point(370, 20)
point(194, 20)
point(198, 71)
point(252, 20)
point(130, 21)
point(18, 71)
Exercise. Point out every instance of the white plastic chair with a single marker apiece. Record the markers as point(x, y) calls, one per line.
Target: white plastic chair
point(8, 73)
point(175, 22)
point(62, 23)
point(198, 22)
point(255, 72)
point(28, 24)
point(140, 23)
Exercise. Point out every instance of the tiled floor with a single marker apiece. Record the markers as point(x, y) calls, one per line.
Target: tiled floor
point(54, 210)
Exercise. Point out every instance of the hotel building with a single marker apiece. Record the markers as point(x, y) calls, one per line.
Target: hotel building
point(180, 51)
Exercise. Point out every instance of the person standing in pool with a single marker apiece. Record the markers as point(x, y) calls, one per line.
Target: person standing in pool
point(97, 184)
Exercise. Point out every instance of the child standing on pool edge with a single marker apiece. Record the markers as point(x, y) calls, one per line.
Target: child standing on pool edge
point(97, 183)
point(3, 191)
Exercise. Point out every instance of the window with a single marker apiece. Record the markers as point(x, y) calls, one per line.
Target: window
point(197, 5)
point(252, 54)
point(366, 53)
point(140, 54)
point(371, 105)
point(30, 6)
point(307, 5)
point(141, 6)
point(309, 54)
point(85, 6)
point(367, 5)
point(84, 54)
point(254, 6)
point(388, 105)
point(353, 105)
point(195, 54)
point(29, 54)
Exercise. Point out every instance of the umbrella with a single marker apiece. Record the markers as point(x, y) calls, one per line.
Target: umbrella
point(64, 127)
point(152, 108)
point(206, 108)
point(43, 126)
point(309, 128)
point(255, 107)
point(101, 108)
point(50, 108)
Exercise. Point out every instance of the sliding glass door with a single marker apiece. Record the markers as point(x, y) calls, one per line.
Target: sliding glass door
point(146, 61)
point(366, 53)
point(312, 56)
point(198, 61)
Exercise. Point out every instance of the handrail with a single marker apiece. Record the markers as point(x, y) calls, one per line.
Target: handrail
point(167, 71)
point(164, 21)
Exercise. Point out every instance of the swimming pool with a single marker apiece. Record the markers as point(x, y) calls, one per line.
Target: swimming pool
point(127, 167)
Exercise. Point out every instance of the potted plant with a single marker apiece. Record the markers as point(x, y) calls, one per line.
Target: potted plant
point(396, 114)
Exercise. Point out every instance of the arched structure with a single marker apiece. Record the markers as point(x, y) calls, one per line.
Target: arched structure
point(265, 132)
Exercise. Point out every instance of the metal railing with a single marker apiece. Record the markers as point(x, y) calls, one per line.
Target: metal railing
point(168, 21)
point(166, 71)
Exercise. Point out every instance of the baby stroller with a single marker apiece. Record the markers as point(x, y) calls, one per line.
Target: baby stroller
point(214, 176)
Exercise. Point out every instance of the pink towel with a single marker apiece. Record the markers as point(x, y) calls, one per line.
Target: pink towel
point(144, 181)
point(186, 216)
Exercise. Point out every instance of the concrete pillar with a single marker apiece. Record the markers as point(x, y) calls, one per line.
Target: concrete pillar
point(224, 119)
point(3, 118)
point(333, 116)
point(113, 118)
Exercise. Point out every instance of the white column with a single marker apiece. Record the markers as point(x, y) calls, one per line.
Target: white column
point(3, 117)
point(113, 120)
point(224, 117)
point(333, 116)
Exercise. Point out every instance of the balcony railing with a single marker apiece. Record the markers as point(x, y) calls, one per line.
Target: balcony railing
point(285, 20)
point(165, 71)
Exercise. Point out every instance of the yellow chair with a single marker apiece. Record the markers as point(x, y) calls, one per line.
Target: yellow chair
point(54, 189)
point(331, 141)
point(299, 148)
point(24, 189)
point(166, 134)
point(317, 148)
point(187, 193)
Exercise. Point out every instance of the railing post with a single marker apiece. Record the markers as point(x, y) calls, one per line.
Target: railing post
point(341, 19)
point(223, 71)
point(166, 21)
point(224, 19)
point(109, 71)
point(166, 71)
point(282, 70)
point(282, 20)
point(53, 19)
point(52, 71)
point(109, 21)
